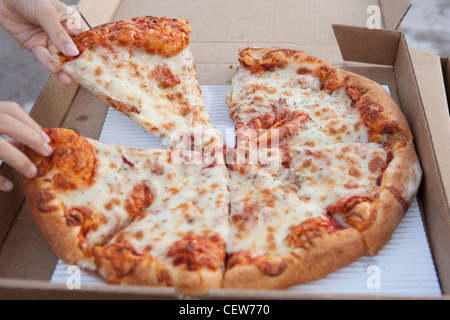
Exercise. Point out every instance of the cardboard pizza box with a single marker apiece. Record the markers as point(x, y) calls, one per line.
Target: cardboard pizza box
point(445, 62)
point(432, 79)
point(335, 31)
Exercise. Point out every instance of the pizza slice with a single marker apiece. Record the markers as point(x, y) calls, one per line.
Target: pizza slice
point(85, 192)
point(273, 84)
point(368, 187)
point(143, 67)
point(88, 195)
point(278, 238)
point(180, 242)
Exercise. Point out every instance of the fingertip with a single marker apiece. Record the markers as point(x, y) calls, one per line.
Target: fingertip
point(50, 66)
point(45, 136)
point(31, 172)
point(6, 185)
point(64, 78)
point(70, 50)
point(47, 150)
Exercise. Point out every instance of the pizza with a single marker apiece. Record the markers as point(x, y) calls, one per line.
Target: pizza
point(144, 68)
point(153, 217)
point(322, 172)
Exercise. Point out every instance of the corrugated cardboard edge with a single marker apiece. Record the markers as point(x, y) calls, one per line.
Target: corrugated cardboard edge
point(375, 46)
point(445, 63)
point(394, 12)
point(430, 79)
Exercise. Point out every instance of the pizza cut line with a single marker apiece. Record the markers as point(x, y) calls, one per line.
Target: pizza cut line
point(335, 168)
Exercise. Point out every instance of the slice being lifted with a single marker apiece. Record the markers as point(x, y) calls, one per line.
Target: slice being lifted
point(144, 68)
point(149, 217)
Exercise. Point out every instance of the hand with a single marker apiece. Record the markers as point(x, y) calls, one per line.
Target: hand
point(43, 27)
point(21, 129)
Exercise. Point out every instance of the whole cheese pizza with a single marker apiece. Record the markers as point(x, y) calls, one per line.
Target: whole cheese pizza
point(322, 172)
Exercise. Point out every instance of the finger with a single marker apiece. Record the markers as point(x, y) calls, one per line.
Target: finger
point(16, 111)
point(64, 78)
point(52, 49)
point(43, 56)
point(49, 21)
point(5, 184)
point(19, 131)
point(17, 159)
point(14, 143)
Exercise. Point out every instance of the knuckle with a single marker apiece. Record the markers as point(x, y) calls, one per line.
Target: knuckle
point(13, 105)
point(4, 122)
point(23, 163)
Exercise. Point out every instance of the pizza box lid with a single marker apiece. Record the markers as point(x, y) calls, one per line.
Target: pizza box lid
point(219, 29)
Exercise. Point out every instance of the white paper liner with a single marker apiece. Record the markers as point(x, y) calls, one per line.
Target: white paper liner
point(404, 267)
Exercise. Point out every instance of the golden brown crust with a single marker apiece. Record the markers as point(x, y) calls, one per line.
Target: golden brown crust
point(62, 238)
point(271, 58)
point(404, 172)
point(330, 252)
point(165, 36)
point(71, 166)
point(378, 110)
point(121, 264)
point(399, 185)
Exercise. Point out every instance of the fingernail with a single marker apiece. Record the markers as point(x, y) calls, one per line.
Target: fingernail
point(70, 49)
point(50, 67)
point(7, 185)
point(47, 149)
point(46, 137)
point(32, 172)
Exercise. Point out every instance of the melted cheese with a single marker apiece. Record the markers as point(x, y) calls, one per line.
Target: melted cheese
point(191, 199)
point(326, 174)
point(262, 211)
point(331, 117)
point(114, 181)
point(161, 94)
point(197, 205)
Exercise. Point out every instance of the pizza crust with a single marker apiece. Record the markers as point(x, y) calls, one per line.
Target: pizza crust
point(331, 252)
point(130, 268)
point(379, 111)
point(62, 238)
point(398, 189)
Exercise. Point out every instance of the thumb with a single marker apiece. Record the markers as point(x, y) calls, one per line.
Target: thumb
point(56, 32)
